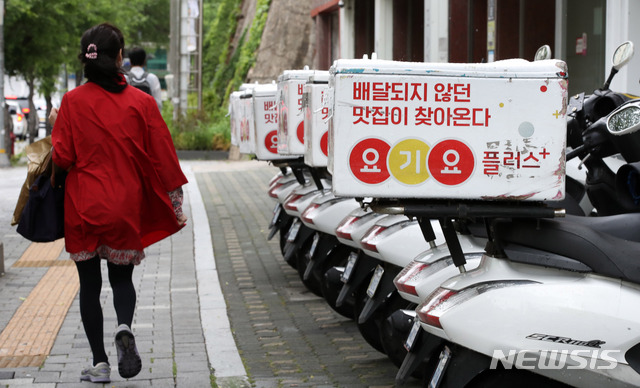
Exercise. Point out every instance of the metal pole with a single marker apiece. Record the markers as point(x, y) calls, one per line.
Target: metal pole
point(174, 61)
point(4, 155)
point(184, 57)
point(200, 38)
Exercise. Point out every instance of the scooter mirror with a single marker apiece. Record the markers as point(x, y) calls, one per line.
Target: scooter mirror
point(622, 55)
point(544, 52)
point(625, 120)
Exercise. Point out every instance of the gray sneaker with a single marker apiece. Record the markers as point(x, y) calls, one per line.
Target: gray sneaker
point(129, 363)
point(101, 373)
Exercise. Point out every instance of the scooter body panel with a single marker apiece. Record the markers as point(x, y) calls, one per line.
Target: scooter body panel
point(367, 220)
point(585, 320)
point(401, 247)
point(388, 222)
point(428, 281)
point(327, 219)
point(283, 191)
point(308, 193)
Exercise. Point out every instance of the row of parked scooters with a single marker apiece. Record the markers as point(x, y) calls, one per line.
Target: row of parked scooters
point(475, 292)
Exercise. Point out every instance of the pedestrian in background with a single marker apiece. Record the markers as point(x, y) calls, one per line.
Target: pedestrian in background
point(139, 76)
point(123, 189)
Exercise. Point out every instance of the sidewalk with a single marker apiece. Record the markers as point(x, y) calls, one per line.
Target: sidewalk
point(217, 304)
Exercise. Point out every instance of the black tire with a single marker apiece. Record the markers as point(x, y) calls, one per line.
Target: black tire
point(370, 329)
point(330, 290)
point(284, 228)
point(392, 340)
point(506, 378)
point(302, 260)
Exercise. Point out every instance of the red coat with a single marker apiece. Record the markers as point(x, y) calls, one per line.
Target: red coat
point(123, 163)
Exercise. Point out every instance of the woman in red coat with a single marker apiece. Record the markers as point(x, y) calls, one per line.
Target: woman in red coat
point(123, 189)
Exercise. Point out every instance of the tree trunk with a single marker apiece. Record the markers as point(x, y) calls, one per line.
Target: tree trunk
point(32, 120)
point(47, 125)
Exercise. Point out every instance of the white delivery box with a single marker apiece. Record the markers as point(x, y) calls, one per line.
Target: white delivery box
point(235, 109)
point(246, 145)
point(265, 115)
point(316, 119)
point(234, 116)
point(489, 131)
point(291, 118)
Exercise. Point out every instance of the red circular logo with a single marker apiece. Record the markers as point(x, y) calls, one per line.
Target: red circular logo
point(300, 132)
point(368, 161)
point(324, 144)
point(451, 162)
point(271, 142)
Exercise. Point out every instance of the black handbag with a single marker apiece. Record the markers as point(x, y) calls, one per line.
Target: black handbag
point(42, 218)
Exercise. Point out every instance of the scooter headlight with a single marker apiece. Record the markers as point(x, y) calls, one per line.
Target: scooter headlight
point(625, 120)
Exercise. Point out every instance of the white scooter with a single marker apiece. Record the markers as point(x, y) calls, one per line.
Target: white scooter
point(323, 216)
point(553, 297)
point(418, 279)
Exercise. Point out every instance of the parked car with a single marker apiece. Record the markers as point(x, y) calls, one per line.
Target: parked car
point(19, 119)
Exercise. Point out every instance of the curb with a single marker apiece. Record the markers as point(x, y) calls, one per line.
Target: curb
point(221, 347)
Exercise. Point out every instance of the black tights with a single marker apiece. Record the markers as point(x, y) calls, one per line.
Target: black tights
point(124, 300)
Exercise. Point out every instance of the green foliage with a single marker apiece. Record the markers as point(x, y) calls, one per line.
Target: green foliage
point(198, 131)
point(249, 50)
point(224, 70)
point(218, 36)
point(41, 36)
point(224, 76)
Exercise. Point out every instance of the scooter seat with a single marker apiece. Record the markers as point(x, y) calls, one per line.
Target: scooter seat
point(624, 226)
point(608, 245)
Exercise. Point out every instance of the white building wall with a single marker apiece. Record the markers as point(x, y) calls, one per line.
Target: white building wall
point(621, 25)
point(436, 31)
point(383, 19)
point(347, 30)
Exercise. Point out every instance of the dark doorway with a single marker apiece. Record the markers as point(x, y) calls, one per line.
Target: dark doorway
point(408, 30)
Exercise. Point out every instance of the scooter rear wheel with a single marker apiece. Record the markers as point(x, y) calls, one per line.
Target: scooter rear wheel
point(503, 378)
point(370, 329)
point(331, 286)
point(284, 228)
point(392, 339)
point(302, 260)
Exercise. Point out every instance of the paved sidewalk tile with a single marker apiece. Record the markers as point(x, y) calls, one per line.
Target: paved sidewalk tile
point(287, 336)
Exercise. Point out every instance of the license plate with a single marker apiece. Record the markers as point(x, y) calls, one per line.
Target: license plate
point(351, 262)
point(375, 281)
point(276, 214)
point(314, 245)
point(293, 232)
point(445, 355)
point(413, 335)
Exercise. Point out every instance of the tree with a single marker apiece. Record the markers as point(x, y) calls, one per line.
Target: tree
point(43, 35)
point(33, 41)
